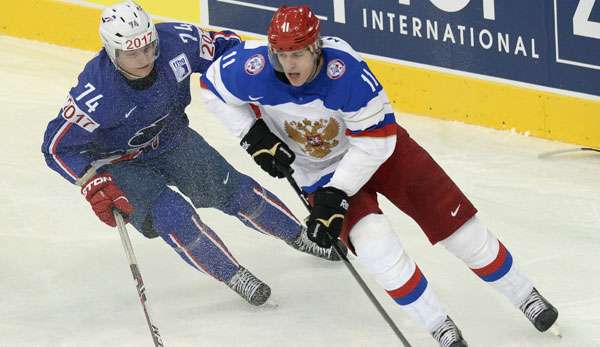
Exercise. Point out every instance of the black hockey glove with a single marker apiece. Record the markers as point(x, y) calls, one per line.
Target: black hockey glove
point(327, 216)
point(268, 150)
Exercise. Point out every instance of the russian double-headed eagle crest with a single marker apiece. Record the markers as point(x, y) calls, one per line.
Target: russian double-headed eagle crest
point(317, 138)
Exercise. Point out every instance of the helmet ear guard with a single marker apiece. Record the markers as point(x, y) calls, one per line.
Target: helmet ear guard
point(126, 27)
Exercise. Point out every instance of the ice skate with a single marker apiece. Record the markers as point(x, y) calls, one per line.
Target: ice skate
point(448, 335)
point(539, 311)
point(304, 244)
point(252, 289)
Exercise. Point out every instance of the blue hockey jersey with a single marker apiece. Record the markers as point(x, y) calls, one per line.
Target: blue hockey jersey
point(105, 119)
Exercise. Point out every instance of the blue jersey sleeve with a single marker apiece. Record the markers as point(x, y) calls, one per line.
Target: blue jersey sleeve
point(241, 75)
point(201, 46)
point(369, 113)
point(69, 137)
point(359, 87)
point(64, 149)
point(356, 92)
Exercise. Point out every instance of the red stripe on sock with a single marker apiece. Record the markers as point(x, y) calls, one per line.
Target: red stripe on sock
point(408, 286)
point(495, 265)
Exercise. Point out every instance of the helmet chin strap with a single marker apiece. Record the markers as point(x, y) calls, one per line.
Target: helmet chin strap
point(129, 75)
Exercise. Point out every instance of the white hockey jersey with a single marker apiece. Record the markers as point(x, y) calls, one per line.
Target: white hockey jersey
point(340, 125)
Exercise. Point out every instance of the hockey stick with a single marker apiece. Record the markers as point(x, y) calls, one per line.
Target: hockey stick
point(137, 276)
point(568, 150)
point(355, 274)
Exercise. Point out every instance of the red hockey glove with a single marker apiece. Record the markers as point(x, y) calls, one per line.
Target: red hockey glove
point(104, 195)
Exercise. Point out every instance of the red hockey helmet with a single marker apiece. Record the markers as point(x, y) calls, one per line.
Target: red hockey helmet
point(293, 28)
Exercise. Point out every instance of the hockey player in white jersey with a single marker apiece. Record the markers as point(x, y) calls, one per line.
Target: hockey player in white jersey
point(127, 112)
point(317, 109)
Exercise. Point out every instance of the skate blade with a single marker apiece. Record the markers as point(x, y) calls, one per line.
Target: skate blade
point(555, 330)
point(270, 305)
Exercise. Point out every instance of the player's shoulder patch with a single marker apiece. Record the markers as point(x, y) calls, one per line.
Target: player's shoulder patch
point(181, 67)
point(254, 56)
point(341, 67)
point(248, 60)
point(240, 68)
point(255, 64)
point(341, 58)
point(336, 68)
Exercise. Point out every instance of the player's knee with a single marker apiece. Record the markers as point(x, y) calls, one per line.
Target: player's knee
point(170, 211)
point(472, 243)
point(246, 195)
point(379, 249)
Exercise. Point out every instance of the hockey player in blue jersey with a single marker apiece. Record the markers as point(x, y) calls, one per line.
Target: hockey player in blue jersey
point(123, 136)
point(320, 111)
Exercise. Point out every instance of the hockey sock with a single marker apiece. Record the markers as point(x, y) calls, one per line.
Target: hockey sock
point(380, 251)
point(489, 259)
point(180, 226)
point(262, 211)
point(417, 298)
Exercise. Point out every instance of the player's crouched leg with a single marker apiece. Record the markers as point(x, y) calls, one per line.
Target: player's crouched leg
point(264, 212)
point(489, 259)
point(179, 225)
point(379, 249)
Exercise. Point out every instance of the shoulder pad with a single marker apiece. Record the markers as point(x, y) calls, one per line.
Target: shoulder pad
point(91, 101)
point(336, 44)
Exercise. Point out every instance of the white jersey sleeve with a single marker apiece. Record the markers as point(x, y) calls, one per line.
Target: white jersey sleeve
point(368, 147)
point(237, 118)
point(363, 158)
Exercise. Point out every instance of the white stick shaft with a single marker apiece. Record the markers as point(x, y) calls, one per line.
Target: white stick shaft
point(125, 238)
point(137, 276)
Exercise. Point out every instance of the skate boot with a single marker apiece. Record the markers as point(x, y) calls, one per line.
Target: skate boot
point(253, 290)
point(448, 334)
point(539, 311)
point(304, 244)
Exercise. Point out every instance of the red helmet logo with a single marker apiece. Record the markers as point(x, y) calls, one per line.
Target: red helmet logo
point(293, 28)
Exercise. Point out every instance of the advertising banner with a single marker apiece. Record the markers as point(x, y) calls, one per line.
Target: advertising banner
point(550, 43)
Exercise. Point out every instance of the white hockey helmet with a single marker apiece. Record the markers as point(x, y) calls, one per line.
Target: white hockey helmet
point(125, 27)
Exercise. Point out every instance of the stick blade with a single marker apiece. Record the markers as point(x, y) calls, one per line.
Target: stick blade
point(555, 330)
